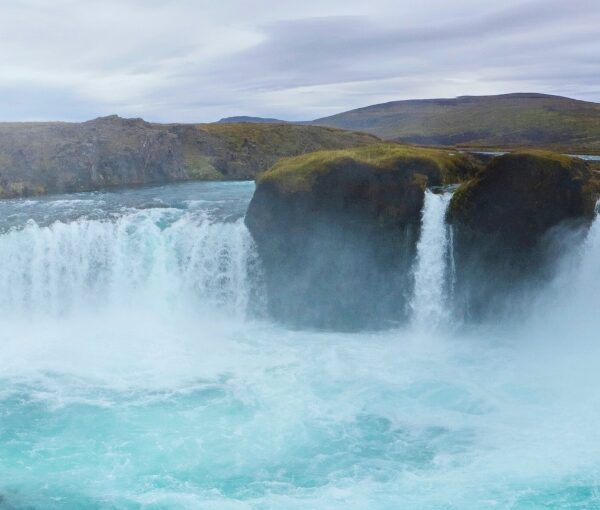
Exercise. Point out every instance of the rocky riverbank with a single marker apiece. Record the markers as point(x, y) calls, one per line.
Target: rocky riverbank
point(39, 158)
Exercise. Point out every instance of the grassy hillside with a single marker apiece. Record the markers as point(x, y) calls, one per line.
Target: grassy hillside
point(254, 120)
point(243, 150)
point(504, 121)
point(37, 158)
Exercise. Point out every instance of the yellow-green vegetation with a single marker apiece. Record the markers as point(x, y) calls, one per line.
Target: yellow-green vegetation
point(284, 138)
point(510, 120)
point(200, 167)
point(17, 188)
point(532, 180)
point(38, 158)
point(243, 150)
point(299, 173)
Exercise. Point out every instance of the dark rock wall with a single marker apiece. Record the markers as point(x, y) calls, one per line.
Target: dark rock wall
point(341, 253)
point(334, 264)
point(506, 222)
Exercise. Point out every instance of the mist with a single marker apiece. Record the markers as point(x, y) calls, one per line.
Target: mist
point(499, 411)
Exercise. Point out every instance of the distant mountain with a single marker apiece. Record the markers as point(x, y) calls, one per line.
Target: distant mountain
point(54, 157)
point(255, 120)
point(508, 120)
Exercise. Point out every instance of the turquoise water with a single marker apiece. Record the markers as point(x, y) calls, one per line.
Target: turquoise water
point(139, 371)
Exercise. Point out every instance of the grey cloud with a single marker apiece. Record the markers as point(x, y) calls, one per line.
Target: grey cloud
point(185, 60)
point(328, 50)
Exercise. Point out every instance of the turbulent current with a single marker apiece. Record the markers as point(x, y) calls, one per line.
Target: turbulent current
point(140, 370)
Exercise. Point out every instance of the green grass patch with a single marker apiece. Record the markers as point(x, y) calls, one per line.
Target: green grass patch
point(299, 173)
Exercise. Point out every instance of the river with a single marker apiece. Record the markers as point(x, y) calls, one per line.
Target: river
point(140, 370)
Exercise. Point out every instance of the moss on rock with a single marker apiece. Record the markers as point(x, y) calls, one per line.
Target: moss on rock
point(337, 230)
point(427, 166)
point(508, 228)
point(519, 196)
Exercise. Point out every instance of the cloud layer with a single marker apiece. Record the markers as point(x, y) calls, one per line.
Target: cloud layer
point(190, 60)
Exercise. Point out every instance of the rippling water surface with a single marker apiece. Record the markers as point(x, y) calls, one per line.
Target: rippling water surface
point(139, 370)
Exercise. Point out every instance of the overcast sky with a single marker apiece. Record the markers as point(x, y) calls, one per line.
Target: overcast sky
point(200, 60)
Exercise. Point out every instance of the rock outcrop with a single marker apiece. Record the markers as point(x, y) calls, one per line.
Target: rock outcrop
point(337, 230)
point(519, 196)
point(503, 220)
point(37, 158)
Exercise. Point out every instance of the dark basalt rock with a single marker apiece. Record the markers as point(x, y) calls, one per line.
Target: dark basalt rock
point(519, 196)
point(503, 221)
point(337, 231)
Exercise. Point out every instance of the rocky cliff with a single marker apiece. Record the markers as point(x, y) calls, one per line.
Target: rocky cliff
point(510, 223)
point(37, 158)
point(337, 230)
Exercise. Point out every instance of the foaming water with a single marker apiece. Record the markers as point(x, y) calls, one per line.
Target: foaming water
point(153, 256)
point(143, 385)
point(428, 305)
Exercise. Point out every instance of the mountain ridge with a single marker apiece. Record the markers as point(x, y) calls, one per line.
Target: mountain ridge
point(251, 120)
point(512, 120)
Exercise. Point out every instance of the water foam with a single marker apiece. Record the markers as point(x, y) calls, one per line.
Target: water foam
point(126, 405)
point(159, 257)
point(429, 301)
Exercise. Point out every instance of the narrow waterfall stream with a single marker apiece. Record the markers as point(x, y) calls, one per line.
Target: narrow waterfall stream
point(433, 263)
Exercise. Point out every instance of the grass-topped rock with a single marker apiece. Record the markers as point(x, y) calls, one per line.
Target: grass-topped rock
point(439, 166)
point(508, 221)
point(385, 181)
point(337, 230)
point(519, 196)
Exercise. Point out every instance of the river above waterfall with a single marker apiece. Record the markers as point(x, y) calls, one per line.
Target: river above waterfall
point(140, 370)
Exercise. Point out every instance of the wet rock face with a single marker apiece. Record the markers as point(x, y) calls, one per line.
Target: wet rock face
point(337, 233)
point(342, 263)
point(518, 197)
point(337, 237)
point(506, 221)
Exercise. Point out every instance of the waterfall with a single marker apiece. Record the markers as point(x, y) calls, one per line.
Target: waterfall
point(576, 291)
point(428, 304)
point(154, 257)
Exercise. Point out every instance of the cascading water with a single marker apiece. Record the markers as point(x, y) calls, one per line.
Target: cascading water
point(429, 305)
point(132, 377)
point(156, 256)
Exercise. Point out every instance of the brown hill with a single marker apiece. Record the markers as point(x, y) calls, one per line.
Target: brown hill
point(504, 121)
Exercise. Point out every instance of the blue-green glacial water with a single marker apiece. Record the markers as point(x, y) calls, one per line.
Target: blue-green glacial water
point(139, 370)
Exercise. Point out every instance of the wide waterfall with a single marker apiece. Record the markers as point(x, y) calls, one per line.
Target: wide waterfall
point(156, 256)
point(140, 371)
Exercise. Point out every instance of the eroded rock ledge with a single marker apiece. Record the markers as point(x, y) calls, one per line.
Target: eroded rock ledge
point(337, 230)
